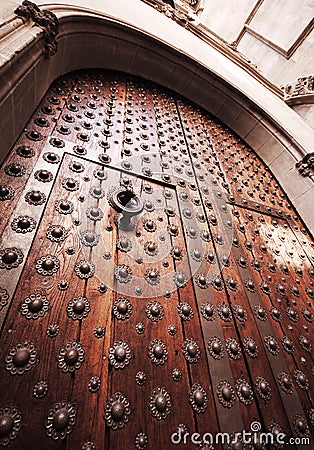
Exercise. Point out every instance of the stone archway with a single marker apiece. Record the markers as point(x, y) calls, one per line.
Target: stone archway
point(154, 47)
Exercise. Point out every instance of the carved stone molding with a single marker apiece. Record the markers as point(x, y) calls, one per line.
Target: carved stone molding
point(181, 13)
point(47, 20)
point(299, 91)
point(306, 165)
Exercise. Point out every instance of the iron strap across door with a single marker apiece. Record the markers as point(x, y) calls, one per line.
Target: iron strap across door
point(156, 286)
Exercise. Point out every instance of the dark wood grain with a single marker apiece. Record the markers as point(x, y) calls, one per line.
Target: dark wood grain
point(191, 171)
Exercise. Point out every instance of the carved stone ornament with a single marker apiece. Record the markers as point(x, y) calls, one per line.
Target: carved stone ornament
point(198, 398)
point(70, 357)
point(11, 422)
point(60, 421)
point(263, 388)
point(154, 311)
point(225, 393)
point(157, 352)
point(21, 358)
point(299, 90)
point(160, 403)
point(10, 258)
point(122, 308)
point(191, 351)
point(119, 354)
point(47, 20)
point(34, 306)
point(117, 411)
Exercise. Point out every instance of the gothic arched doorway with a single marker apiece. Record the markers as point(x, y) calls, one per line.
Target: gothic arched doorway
point(156, 284)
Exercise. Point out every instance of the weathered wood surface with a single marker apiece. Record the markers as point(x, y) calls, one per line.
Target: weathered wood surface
point(233, 224)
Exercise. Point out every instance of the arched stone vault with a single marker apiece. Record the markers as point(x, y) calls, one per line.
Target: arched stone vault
point(152, 46)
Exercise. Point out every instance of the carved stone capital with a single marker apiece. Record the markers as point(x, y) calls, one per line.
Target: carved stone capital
point(47, 20)
point(306, 165)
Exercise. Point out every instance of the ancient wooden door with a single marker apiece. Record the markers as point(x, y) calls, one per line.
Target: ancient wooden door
point(156, 284)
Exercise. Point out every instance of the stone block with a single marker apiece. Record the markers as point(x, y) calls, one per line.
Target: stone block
point(257, 136)
point(244, 123)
